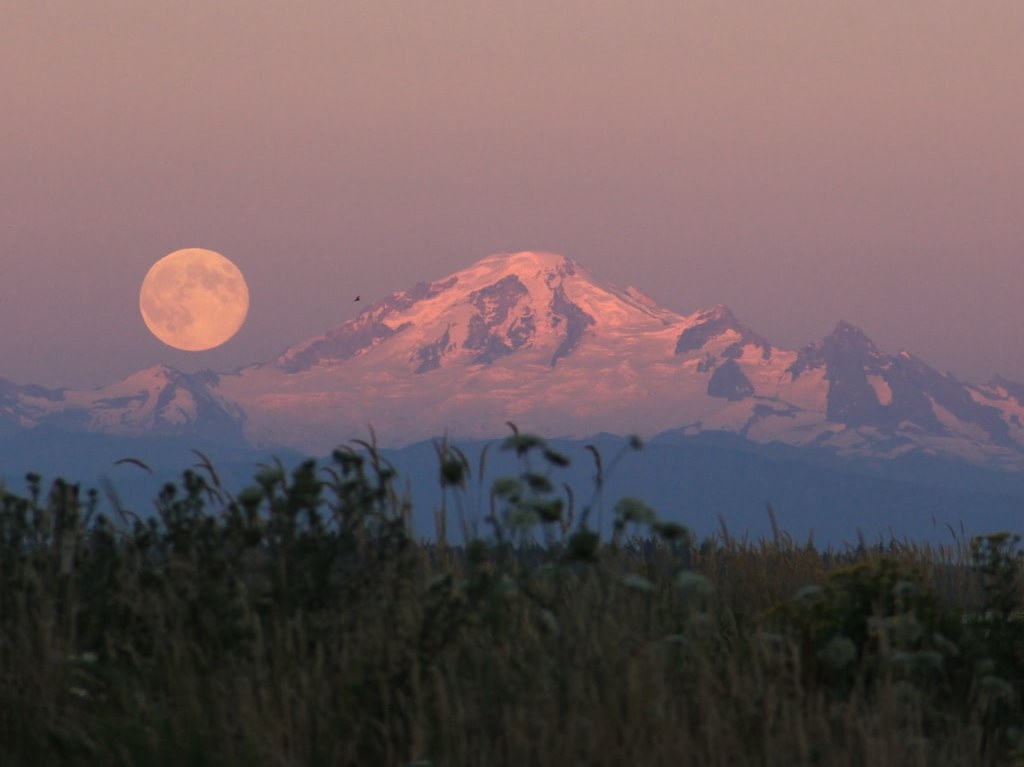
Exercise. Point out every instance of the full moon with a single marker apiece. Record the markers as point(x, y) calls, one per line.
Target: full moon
point(194, 299)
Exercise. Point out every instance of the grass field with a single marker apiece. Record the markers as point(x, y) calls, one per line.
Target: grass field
point(299, 623)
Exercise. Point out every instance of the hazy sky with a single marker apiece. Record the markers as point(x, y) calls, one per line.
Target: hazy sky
point(799, 160)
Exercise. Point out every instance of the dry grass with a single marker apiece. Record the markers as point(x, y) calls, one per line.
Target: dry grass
point(298, 623)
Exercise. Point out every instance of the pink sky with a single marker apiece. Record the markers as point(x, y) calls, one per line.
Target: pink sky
point(801, 161)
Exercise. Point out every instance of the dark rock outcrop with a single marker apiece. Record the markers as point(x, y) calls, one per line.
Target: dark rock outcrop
point(729, 382)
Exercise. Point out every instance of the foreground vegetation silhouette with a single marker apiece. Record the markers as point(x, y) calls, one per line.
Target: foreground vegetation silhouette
point(299, 622)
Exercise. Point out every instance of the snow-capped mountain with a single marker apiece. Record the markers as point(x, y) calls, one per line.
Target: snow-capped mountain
point(157, 401)
point(528, 337)
point(536, 339)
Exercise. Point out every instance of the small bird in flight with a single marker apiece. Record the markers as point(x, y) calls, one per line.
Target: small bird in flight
point(356, 298)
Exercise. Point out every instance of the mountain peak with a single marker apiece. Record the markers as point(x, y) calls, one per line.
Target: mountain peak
point(848, 335)
point(721, 313)
point(707, 325)
point(535, 304)
point(844, 327)
point(846, 347)
point(527, 260)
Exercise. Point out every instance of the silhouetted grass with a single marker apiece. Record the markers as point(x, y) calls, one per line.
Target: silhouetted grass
point(298, 623)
